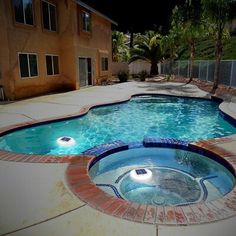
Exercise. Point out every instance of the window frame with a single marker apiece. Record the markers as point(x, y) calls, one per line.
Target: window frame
point(28, 65)
point(53, 68)
point(82, 22)
point(106, 63)
point(49, 16)
point(24, 23)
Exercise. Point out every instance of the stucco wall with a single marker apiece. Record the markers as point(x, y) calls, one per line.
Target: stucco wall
point(119, 66)
point(99, 40)
point(67, 34)
point(29, 39)
point(4, 51)
point(67, 43)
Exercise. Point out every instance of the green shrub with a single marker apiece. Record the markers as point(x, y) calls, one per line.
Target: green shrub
point(123, 76)
point(143, 75)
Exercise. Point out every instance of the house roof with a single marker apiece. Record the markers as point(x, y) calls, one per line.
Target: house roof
point(95, 11)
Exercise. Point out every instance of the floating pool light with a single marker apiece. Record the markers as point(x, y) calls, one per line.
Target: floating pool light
point(142, 174)
point(65, 141)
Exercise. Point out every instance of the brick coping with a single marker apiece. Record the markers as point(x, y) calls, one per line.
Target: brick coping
point(78, 180)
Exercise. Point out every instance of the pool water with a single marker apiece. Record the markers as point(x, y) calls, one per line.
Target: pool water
point(179, 177)
point(154, 116)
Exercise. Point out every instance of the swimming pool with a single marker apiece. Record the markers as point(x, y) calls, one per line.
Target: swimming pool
point(161, 176)
point(186, 119)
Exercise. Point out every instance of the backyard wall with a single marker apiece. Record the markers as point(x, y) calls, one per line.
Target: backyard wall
point(138, 66)
point(119, 66)
point(134, 68)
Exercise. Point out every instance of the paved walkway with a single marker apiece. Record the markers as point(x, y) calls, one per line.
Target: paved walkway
point(35, 199)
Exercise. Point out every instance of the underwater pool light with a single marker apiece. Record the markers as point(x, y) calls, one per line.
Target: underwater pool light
point(141, 174)
point(65, 141)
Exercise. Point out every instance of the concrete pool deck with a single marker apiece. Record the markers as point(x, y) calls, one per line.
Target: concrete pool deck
point(35, 197)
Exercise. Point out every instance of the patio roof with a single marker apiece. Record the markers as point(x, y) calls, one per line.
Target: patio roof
point(95, 11)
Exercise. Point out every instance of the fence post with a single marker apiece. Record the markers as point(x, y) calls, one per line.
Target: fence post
point(231, 73)
point(188, 70)
point(199, 69)
point(207, 70)
point(178, 67)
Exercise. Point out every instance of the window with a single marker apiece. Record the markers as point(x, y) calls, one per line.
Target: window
point(52, 65)
point(86, 19)
point(28, 65)
point(104, 64)
point(49, 16)
point(23, 11)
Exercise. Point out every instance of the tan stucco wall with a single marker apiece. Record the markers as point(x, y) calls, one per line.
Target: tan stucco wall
point(4, 50)
point(100, 40)
point(29, 39)
point(67, 34)
point(67, 43)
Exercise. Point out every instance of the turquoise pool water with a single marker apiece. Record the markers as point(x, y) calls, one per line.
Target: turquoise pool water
point(158, 116)
point(178, 176)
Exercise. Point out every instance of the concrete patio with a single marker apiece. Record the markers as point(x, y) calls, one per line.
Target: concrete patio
point(35, 198)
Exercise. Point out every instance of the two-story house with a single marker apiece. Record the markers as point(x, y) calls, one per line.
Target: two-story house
point(49, 45)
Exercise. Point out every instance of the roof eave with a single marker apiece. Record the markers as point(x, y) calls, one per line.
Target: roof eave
point(95, 11)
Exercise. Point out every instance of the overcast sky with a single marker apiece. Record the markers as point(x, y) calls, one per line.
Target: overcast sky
point(139, 15)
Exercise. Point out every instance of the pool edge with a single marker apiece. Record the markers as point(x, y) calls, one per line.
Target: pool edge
point(12, 156)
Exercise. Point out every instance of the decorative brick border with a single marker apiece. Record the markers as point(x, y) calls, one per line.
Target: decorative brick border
point(17, 157)
point(205, 212)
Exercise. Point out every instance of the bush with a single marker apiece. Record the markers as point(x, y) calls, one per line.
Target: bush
point(123, 76)
point(143, 75)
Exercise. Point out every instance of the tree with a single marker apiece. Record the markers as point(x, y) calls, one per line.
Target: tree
point(120, 49)
point(147, 47)
point(217, 13)
point(170, 44)
point(187, 21)
point(169, 48)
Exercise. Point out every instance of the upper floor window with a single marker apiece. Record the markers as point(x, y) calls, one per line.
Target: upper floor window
point(86, 21)
point(49, 16)
point(28, 65)
point(52, 65)
point(104, 64)
point(24, 11)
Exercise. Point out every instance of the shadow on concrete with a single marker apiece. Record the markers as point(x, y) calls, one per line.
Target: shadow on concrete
point(174, 89)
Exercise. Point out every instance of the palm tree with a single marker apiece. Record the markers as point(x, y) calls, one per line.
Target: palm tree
point(147, 47)
point(217, 12)
point(120, 49)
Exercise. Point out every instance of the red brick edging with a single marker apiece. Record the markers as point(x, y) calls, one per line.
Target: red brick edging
point(82, 186)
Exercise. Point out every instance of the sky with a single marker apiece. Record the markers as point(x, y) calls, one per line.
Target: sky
point(136, 16)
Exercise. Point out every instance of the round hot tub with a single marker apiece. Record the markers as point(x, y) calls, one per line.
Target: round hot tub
point(162, 176)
